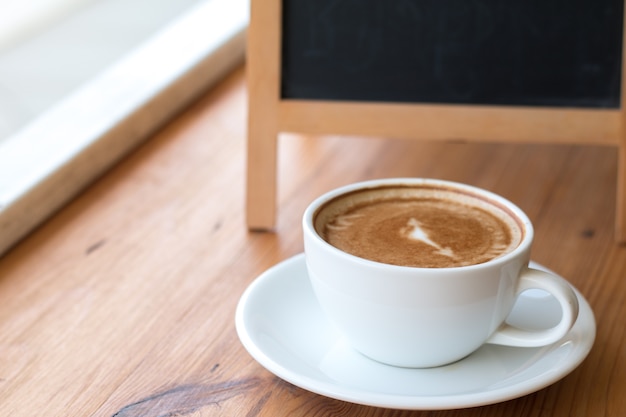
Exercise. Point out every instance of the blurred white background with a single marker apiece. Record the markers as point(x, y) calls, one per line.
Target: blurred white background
point(50, 47)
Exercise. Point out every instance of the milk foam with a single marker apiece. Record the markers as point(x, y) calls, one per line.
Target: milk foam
point(420, 226)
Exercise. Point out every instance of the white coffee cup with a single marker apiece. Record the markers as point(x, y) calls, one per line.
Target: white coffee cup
point(429, 316)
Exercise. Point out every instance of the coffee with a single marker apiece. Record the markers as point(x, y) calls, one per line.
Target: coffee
point(418, 225)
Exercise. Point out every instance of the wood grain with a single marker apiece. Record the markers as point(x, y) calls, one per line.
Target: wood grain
point(123, 303)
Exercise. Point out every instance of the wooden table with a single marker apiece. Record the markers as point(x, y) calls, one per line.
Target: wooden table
point(123, 303)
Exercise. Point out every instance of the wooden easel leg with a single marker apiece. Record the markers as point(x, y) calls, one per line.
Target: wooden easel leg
point(261, 179)
point(620, 210)
point(263, 69)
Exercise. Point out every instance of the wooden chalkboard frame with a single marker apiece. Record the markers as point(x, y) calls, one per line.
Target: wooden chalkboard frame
point(269, 115)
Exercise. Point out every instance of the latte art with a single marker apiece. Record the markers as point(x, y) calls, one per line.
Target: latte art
point(418, 226)
point(414, 231)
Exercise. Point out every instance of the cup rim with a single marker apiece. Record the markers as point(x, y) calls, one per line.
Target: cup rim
point(520, 215)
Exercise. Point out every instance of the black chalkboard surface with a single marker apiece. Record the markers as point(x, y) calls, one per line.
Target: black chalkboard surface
point(564, 53)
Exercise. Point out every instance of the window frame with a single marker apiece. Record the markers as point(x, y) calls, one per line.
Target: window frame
point(61, 152)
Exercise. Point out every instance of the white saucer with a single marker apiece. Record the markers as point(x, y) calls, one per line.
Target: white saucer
point(281, 325)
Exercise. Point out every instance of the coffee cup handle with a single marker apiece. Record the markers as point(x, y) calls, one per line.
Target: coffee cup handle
point(509, 335)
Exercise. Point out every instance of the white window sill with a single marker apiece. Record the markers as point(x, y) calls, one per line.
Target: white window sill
point(51, 159)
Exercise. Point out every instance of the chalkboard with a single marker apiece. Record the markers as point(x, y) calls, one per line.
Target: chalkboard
point(534, 71)
point(563, 53)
